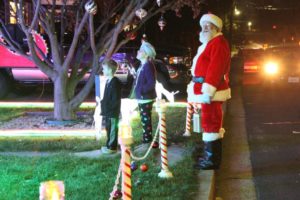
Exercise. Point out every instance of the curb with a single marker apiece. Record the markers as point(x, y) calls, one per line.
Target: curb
point(206, 190)
point(207, 178)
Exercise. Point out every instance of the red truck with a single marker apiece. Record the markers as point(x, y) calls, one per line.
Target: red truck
point(15, 68)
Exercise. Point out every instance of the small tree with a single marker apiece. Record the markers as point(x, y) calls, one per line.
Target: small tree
point(96, 29)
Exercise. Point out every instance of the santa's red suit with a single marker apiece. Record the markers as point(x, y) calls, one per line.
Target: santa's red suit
point(210, 69)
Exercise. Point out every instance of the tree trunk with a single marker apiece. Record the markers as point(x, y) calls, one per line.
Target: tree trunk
point(62, 107)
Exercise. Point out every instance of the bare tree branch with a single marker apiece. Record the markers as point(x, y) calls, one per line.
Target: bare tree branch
point(12, 44)
point(21, 20)
point(77, 32)
point(36, 13)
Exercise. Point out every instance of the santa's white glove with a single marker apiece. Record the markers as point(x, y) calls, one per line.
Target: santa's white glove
point(205, 98)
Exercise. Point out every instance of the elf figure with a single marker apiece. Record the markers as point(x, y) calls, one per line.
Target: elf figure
point(210, 88)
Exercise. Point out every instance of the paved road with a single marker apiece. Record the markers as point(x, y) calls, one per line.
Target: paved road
point(273, 129)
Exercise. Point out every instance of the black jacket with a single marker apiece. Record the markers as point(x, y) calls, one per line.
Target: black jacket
point(111, 102)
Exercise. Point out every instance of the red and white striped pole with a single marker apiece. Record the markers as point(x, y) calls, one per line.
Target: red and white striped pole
point(189, 113)
point(125, 140)
point(126, 174)
point(165, 172)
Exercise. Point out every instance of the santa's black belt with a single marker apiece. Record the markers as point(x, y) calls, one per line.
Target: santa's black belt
point(198, 79)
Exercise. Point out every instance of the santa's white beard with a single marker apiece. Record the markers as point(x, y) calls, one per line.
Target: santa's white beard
point(205, 37)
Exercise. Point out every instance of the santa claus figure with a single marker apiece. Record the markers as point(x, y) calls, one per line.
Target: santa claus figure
point(210, 87)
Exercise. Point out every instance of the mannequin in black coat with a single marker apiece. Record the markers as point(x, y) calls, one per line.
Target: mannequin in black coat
point(110, 106)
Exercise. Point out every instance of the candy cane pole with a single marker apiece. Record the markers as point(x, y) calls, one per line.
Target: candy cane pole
point(189, 113)
point(125, 140)
point(165, 172)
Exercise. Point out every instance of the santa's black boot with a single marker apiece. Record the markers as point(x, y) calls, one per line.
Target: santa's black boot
point(212, 156)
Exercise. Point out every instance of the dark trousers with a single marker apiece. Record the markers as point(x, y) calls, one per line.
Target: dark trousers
point(111, 126)
point(145, 114)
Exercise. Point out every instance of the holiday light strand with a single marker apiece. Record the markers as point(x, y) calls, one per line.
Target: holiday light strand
point(117, 181)
point(150, 147)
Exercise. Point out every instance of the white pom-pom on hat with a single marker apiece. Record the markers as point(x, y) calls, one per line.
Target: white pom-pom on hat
point(148, 48)
point(214, 19)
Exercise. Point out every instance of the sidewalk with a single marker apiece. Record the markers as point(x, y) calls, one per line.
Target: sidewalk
point(234, 180)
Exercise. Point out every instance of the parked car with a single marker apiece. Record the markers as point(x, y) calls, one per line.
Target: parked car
point(172, 66)
point(281, 66)
point(18, 70)
point(277, 65)
point(128, 65)
point(177, 62)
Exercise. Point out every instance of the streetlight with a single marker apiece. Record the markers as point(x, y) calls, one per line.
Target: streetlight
point(237, 12)
point(249, 25)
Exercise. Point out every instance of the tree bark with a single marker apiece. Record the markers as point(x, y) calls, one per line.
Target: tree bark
point(62, 108)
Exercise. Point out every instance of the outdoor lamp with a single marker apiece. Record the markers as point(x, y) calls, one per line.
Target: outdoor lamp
point(52, 190)
point(125, 134)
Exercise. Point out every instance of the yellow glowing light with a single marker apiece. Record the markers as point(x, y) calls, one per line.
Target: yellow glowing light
point(271, 68)
point(12, 18)
point(47, 133)
point(125, 134)
point(52, 190)
point(6, 104)
point(237, 12)
point(126, 131)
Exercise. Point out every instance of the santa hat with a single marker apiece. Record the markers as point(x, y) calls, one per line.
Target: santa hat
point(214, 19)
point(148, 49)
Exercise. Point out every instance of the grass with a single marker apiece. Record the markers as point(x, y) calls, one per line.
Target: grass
point(8, 113)
point(89, 179)
point(175, 119)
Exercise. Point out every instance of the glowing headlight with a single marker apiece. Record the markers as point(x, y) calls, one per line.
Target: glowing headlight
point(271, 67)
point(176, 60)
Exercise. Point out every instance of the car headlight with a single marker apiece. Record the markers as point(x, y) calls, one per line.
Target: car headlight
point(176, 60)
point(271, 68)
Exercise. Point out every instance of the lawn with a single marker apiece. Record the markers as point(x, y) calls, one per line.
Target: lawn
point(89, 179)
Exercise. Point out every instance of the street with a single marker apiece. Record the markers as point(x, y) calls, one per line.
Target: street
point(272, 123)
point(273, 127)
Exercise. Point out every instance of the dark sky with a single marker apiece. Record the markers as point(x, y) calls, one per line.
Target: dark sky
point(179, 31)
point(273, 20)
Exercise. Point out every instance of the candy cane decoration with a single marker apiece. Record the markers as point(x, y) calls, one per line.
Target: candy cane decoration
point(197, 107)
point(165, 172)
point(189, 113)
point(125, 140)
point(126, 173)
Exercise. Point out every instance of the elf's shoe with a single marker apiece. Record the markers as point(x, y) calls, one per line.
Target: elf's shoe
point(212, 156)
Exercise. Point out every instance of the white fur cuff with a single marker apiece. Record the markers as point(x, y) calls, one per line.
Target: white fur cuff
point(209, 89)
point(209, 137)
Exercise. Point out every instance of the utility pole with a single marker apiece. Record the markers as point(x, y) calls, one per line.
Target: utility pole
point(231, 22)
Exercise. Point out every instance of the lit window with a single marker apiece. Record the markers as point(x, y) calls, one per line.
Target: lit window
point(12, 13)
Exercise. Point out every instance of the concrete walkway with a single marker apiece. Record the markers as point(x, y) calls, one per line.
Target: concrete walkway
point(234, 180)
